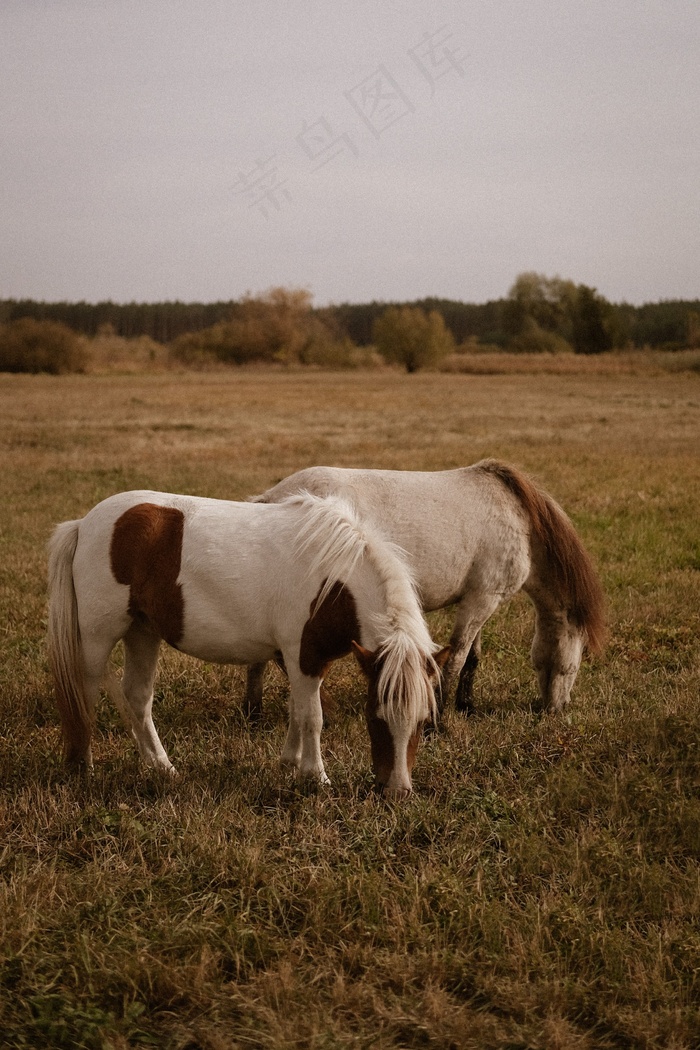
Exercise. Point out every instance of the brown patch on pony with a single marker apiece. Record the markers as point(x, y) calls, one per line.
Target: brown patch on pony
point(145, 555)
point(329, 632)
point(572, 567)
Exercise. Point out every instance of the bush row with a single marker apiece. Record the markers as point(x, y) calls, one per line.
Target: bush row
point(541, 315)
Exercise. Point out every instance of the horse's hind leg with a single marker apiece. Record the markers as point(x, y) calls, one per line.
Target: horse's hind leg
point(254, 688)
point(254, 692)
point(78, 732)
point(140, 658)
point(556, 656)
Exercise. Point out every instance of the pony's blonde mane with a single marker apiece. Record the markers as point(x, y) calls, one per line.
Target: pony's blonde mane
point(337, 540)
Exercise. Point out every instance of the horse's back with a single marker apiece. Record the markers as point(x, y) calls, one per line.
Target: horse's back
point(443, 490)
point(119, 527)
point(362, 485)
point(205, 573)
point(460, 528)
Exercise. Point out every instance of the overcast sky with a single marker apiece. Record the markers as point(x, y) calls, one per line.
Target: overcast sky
point(199, 149)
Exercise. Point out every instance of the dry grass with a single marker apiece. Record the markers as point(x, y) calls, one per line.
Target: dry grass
point(540, 890)
point(632, 362)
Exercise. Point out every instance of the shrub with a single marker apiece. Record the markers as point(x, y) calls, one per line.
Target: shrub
point(536, 340)
point(110, 352)
point(411, 337)
point(200, 349)
point(342, 355)
point(276, 327)
point(27, 345)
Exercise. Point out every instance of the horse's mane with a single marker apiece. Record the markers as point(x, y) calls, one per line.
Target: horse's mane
point(569, 562)
point(337, 540)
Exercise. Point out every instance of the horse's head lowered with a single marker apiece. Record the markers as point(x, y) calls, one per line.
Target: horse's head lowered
point(395, 724)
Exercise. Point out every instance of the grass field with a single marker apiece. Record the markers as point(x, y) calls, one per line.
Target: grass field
point(541, 889)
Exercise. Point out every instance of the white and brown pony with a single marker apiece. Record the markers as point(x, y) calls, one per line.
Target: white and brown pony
point(473, 538)
point(304, 581)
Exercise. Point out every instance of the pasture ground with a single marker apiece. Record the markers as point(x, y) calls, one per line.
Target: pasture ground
point(540, 890)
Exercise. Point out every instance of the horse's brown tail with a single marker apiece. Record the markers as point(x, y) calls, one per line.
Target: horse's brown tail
point(64, 646)
point(573, 572)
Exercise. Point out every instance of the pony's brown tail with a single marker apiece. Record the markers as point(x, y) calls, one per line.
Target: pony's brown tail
point(64, 646)
point(572, 569)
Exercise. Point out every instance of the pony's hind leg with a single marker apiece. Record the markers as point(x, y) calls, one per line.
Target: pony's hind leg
point(556, 657)
point(141, 646)
point(254, 692)
point(78, 734)
point(77, 724)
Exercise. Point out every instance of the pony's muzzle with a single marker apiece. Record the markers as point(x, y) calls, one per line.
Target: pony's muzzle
point(396, 794)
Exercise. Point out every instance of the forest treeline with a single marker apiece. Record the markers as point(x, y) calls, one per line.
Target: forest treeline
point(541, 315)
point(670, 324)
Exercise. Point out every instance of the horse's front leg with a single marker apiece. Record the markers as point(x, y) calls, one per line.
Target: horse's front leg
point(302, 748)
point(472, 613)
point(464, 694)
point(464, 659)
point(556, 656)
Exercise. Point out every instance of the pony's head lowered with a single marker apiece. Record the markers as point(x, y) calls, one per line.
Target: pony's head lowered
point(400, 701)
point(402, 669)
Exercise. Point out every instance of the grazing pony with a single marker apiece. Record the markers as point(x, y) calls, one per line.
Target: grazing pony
point(304, 581)
point(473, 538)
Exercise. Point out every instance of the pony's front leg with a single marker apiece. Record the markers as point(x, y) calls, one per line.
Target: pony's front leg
point(302, 748)
point(464, 694)
point(556, 656)
point(472, 613)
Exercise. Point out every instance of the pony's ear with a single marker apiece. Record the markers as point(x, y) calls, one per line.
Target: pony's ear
point(364, 657)
point(443, 656)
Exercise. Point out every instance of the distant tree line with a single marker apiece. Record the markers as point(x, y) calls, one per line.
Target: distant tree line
point(576, 313)
point(669, 324)
point(163, 322)
point(540, 314)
